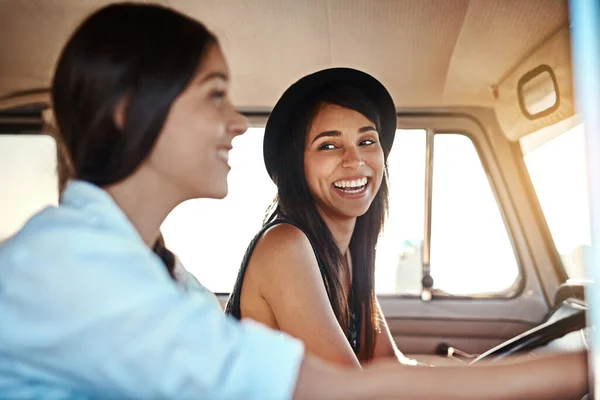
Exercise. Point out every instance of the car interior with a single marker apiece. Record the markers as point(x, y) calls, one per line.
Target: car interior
point(488, 193)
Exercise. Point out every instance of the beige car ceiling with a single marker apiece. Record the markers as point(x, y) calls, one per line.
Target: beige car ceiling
point(428, 53)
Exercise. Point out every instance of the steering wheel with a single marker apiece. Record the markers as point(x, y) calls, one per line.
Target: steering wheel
point(536, 337)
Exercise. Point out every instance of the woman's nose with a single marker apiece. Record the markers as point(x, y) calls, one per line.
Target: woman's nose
point(352, 159)
point(238, 124)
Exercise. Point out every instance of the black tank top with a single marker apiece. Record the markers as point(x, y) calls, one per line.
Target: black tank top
point(233, 304)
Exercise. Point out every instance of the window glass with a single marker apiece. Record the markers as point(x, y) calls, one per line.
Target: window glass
point(28, 178)
point(398, 265)
point(211, 236)
point(556, 161)
point(471, 252)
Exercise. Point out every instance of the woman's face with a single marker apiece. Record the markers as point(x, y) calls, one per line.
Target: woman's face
point(343, 161)
point(192, 151)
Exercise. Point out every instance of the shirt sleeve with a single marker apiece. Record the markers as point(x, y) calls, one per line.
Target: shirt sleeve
point(115, 324)
point(189, 283)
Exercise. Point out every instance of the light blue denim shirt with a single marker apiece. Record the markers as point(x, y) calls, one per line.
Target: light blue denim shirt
point(88, 311)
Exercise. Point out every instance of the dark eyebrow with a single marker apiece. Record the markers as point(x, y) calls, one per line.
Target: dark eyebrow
point(327, 134)
point(368, 128)
point(364, 129)
point(215, 75)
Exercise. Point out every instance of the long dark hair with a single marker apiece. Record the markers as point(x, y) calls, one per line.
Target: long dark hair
point(295, 201)
point(145, 55)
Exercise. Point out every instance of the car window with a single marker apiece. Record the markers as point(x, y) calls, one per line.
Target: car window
point(471, 251)
point(467, 226)
point(556, 162)
point(28, 178)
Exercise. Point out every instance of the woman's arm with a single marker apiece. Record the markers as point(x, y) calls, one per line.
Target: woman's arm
point(285, 270)
point(558, 377)
point(385, 346)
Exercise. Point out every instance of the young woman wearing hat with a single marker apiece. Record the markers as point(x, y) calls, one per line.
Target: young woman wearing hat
point(87, 310)
point(310, 270)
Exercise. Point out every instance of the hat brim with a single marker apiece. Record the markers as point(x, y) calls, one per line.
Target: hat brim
point(312, 84)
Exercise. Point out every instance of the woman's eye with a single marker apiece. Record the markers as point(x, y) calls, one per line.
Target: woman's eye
point(217, 96)
point(326, 146)
point(367, 142)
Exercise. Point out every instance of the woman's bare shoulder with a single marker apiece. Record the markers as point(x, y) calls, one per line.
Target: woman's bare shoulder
point(284, 253)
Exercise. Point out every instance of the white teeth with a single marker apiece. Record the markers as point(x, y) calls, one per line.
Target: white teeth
point(356, 183)
point(223, 155)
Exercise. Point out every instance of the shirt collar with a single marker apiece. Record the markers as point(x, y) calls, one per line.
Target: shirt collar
point(99, 207)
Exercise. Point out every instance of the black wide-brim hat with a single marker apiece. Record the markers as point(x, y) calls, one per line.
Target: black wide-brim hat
point(278, 123)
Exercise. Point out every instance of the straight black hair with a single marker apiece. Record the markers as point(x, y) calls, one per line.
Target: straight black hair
point(295, 201)
point(141, 56)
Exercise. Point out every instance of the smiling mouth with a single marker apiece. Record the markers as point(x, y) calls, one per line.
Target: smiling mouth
point(354, 186)
point(223, 155)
